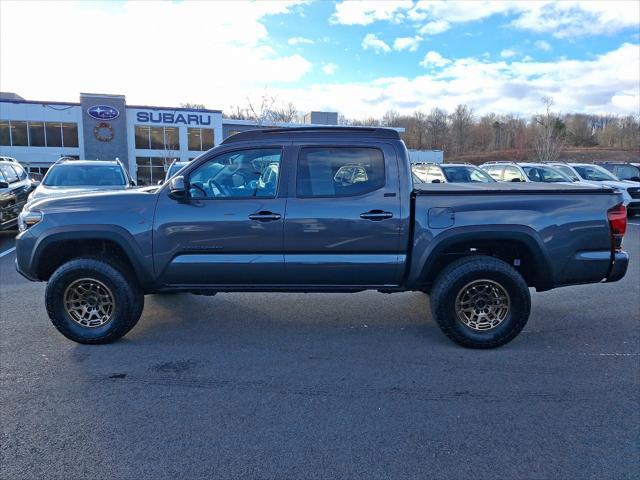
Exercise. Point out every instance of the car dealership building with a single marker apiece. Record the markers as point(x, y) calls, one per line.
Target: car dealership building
point(145, 138)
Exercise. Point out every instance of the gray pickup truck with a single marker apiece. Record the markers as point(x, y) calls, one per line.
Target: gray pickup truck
point(319, 210)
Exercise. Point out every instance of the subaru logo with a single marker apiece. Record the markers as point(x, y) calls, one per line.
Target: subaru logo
point(103, 112)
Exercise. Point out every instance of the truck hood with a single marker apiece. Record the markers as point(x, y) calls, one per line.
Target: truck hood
point(87, 200)
point(44, 191)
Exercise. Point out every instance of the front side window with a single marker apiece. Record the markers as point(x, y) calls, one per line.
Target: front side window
point(241, 174)
point(628, 172)
point(568, 172)
point(434, 175)
point(22, 175)
point(466, 175)
point(339, 171)
point(84, 175)
point(545, 174)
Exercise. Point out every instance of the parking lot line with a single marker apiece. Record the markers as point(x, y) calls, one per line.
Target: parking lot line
point(7, 252)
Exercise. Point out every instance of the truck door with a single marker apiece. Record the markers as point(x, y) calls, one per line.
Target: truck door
point(229, 230)
point(343, 219)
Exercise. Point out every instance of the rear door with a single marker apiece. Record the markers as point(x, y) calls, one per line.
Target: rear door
point(229, 231)
point(343, 217)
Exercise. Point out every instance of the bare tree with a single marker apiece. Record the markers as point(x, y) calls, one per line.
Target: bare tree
point(437, 129)
point(194, 106)
point(286, 113)
point(261, 111)
point(461, 122)
point(549, 140)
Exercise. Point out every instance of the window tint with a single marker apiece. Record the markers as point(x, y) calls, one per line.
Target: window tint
point(512, 174)
point(339, 172)
point(9, 174)
point(243, 174)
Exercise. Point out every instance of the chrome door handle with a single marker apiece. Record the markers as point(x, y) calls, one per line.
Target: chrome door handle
point(265, 216)
point(376, 215)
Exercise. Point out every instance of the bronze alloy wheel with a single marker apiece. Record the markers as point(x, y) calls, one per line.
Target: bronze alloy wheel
point(482, 304)
point(89, 302)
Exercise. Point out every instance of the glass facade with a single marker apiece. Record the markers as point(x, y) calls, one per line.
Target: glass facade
point(17, 133)
point(157, 138)
point(200, 139)
point(151, 170)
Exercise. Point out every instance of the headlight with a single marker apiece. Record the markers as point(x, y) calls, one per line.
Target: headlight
point(28, 219)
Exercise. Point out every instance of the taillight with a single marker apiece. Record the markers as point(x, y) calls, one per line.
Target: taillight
point(617, 217)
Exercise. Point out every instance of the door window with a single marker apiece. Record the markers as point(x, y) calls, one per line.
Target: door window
point(495, 171)
point(339, 171)
point(239, 174)
point(434, 175)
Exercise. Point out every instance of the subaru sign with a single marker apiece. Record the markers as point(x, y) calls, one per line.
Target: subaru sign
point(103, 112)
point(175, 118)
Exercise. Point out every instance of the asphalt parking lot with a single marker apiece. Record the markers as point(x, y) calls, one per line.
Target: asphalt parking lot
point(322, 386)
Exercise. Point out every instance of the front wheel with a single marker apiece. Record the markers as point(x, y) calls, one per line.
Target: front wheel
point(480, 302)
point(93, 301)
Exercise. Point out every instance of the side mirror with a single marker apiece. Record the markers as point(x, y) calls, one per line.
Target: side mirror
point(635, 179)
point(516, 179)
point(4, 185)
point(436, 180)
point(177, 188)
point(35, 184)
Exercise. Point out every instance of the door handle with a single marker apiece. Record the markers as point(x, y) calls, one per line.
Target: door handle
point(376, 215)
point(265, 216)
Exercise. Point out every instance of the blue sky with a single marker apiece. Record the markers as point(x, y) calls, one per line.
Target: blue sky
point(360, 58)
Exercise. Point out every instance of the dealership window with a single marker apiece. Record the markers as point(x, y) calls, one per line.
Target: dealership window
point(70, 134)
point(157, 138)
point(19, 135)
point(5, 135)
point(150, 170)
point(233, 132)
point(200, 139)
point(54, 134)
point(36, 134)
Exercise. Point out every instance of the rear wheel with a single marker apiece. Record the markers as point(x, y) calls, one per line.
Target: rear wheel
point(480, 302)
point(93, 301)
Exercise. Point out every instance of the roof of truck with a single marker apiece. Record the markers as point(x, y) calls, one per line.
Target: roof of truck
point(313, 132)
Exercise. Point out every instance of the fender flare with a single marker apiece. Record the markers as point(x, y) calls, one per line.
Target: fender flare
point(112, 233)
point(425, 261)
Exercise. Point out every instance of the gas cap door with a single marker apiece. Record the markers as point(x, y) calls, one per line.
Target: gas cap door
point(441, 217)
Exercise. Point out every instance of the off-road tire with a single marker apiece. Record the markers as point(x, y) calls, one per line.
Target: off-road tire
point(120, 280)
point(460, 273)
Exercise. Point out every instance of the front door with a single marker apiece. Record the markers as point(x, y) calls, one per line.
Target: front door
point(343, 224)
point(229, 229)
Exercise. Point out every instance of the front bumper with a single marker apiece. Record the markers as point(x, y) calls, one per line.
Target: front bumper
point(25, 246)
point(619, 266)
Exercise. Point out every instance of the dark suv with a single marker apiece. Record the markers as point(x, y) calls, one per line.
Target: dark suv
point(15, 187)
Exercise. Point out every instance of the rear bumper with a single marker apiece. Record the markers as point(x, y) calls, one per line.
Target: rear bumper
point(619, 267)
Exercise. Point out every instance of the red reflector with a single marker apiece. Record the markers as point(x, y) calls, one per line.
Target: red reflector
point(618, 219)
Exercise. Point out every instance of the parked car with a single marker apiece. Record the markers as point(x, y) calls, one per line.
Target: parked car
point(524, 172)
point(15, 187)
point(69, 176)
point(623, 170)
point(174, 168)
point(353, 221)
point(597, 175)
point(8, 159)
point(451, 173)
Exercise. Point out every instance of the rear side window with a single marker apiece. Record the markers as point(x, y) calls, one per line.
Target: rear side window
point(495, 171)
point(339, 171)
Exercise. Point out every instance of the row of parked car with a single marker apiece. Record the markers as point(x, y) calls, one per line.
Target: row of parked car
point(596, 175)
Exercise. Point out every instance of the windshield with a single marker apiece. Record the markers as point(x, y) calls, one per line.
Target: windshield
point(594, 173)
point(545, 174)
point(466, 175)
point(568, 172)
point(84, 176)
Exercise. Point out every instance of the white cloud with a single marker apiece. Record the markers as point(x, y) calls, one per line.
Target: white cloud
point(370, 41)
point(366, 12)
point(407, 43)
point(221, 35)
point(434, 28)
point(300, 40)
point(434, 59)
point(605, 84)
point(329, 68)
point(508, 53)
point(566, 19)
point(542, 45)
